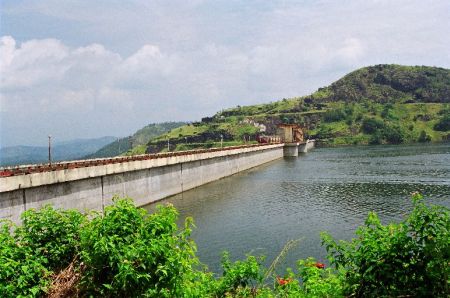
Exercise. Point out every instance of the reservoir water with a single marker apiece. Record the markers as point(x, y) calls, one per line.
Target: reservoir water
point(327, 189)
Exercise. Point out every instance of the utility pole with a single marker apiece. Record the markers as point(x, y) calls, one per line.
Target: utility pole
point(168, 145)
point(221, 141)
point(49, 150)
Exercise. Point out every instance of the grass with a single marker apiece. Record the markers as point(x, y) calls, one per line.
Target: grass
point(208, 145)
point(138, 150)
point(183, 131)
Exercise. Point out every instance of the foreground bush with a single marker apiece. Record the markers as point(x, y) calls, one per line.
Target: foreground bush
point(51, 234)
point(22, 272)
point(126, 252)
point(406, 259)
point(47, 240)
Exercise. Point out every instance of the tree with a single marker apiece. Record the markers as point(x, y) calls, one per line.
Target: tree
point(424, 137)
point(371, 125)
point(443, 124)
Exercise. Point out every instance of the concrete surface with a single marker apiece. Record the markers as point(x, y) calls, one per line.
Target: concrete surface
point(305, 147)
point(290, 149)
point(146, 181)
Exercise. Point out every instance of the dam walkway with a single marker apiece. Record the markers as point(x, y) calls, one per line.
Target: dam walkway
point(91, 184)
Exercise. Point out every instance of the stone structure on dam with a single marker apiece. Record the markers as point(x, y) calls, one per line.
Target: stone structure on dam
point(91, 184)
point(294, 142)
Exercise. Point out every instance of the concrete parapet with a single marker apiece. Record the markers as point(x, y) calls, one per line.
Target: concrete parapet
point(146, 181)
point(306, 146)
point(290, 149)
point(65, 175)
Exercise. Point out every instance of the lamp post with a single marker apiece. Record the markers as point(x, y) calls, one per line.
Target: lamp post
point(49, 150)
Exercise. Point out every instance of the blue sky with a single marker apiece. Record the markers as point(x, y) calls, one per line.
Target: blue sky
point(82, 69)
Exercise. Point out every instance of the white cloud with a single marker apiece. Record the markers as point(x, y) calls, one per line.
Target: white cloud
point(7, 48)
point(145, 68)
point(113, 66)
point(34, 62)
point(351, 51)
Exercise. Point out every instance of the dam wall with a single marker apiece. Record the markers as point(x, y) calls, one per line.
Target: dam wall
point(145, 179)
point(306, 146)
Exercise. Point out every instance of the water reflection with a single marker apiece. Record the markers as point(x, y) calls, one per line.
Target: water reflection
point(329, 189)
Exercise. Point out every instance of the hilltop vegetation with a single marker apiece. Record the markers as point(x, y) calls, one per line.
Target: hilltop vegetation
point(390, 83)
point(372, 105)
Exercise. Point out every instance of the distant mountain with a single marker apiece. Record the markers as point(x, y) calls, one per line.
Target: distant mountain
point(67, 150)
point(136, 141)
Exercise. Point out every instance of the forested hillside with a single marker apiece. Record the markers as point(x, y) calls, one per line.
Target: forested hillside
point(372, 105)
point(136, 141)
point(390, 83)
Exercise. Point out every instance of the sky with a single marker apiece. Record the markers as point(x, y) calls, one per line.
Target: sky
point(86, 69)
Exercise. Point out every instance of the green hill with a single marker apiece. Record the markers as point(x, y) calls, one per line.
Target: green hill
point(390, 83)
point(135, 143)
point(372, 105)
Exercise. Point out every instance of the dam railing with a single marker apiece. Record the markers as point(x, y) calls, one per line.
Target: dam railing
point(74, 164)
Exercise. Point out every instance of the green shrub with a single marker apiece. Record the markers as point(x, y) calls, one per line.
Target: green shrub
point(386, 113)
point(324, 132)
point(238, 276)
point(424, 137)
point(376, 138)
point(334, 115)
point(394, 134)
point(22, 272)
point(51, 233)
point(128, 253)
point(371, 125)
point(443, 124)
point(318, 281)
point(405, 259)
point(47, 241)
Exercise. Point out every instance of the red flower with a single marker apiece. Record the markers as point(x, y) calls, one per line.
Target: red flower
point(319, 265)
point(282, 281)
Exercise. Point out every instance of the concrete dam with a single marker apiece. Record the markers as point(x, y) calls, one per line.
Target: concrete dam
point(91, 184)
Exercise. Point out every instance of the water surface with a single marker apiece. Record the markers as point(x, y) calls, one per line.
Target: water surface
point(327, 189)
